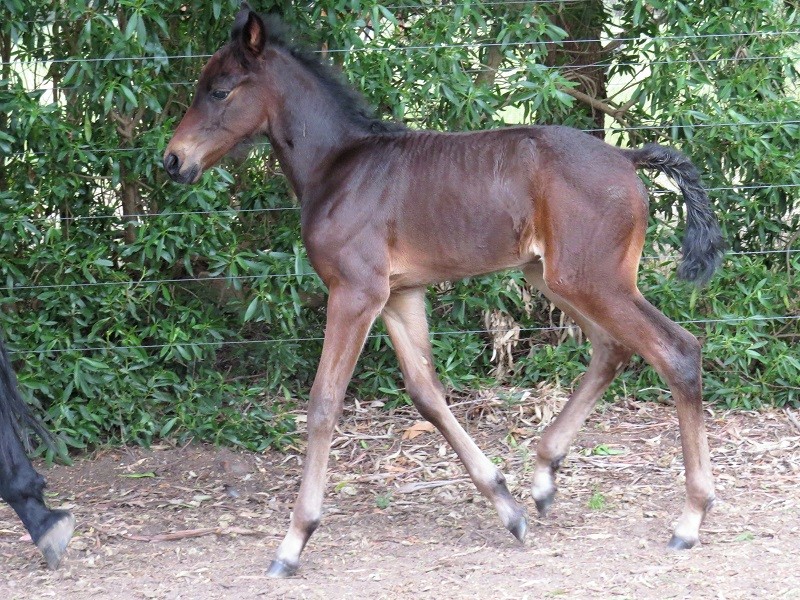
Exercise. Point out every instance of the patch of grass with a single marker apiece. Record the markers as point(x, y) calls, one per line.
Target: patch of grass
point(525, 456)
point(603, 450)
point(597, 501)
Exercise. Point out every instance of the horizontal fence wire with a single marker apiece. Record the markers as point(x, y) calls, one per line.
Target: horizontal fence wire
point(138, 218)
point(501, 75)
point(231, 278)
point(156, 151)
point(185, 15)
point(398, 49)
point(220, 343)
point(474, 44)
point(608, 39)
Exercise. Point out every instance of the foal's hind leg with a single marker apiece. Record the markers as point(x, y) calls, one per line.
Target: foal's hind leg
point(619, 308)
point(608, 358)
point(407, 324)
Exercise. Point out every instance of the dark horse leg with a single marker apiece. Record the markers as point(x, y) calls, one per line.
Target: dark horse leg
point(20, 485)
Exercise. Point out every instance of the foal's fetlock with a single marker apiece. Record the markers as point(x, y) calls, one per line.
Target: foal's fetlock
point(687, 531)
point(544, 488)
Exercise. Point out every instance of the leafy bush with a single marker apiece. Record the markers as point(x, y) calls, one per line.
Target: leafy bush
point(138, 309)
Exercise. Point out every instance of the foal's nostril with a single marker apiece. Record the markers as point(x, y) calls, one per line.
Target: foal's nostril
point(172, 164)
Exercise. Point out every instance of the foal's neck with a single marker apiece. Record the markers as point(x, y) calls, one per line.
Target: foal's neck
point(308, 126)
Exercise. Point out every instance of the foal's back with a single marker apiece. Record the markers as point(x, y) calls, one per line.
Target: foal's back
point(452, 205)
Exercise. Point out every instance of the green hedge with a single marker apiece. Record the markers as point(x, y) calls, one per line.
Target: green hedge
point(202, 317)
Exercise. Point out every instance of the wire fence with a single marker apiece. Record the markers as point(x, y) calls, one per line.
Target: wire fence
point(138, 218)
point(414, 48)
point(502, 75)
point(241, 278)
point(676, 39)
point(381, 336)
point(615, 40)
point(476, 44)
point(783, 122)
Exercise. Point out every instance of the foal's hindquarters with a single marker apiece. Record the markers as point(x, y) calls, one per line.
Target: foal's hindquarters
point(20, 485)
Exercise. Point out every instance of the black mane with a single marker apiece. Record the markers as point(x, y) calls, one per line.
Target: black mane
point(351, 102)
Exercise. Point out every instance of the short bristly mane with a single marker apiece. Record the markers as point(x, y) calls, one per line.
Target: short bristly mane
point(352, 104)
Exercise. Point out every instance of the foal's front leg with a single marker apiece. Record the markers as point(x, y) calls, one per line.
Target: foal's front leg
point(351, 312)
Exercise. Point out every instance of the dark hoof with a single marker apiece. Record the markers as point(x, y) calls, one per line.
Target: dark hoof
point(281, 570)
point(543, 505)
point(678, 543)
point(54, 542)
point(519, 528)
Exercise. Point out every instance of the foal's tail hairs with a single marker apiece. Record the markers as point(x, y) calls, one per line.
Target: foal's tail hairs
point(15, 416)
point(703, 245)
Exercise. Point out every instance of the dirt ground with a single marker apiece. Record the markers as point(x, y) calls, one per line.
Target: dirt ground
point(401, 521)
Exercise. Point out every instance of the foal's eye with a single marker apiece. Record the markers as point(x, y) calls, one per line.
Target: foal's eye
point(220, 94)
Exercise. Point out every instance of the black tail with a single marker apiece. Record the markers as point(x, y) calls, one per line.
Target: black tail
point(703, 245)
point(15, 416)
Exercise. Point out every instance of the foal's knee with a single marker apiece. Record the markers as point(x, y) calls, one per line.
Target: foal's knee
point(323, 413)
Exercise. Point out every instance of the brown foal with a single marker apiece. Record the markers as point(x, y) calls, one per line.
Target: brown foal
point(387, 211)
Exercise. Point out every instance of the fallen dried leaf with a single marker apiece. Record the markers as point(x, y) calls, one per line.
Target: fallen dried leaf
point(417, 429)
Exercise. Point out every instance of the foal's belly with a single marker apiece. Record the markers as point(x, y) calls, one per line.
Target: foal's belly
point(436, 249)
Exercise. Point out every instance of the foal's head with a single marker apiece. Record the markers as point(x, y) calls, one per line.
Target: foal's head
point(224, 112)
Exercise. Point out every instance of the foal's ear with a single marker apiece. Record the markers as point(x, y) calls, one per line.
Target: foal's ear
point(249, 33)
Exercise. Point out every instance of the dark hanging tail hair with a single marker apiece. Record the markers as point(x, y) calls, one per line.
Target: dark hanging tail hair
point(703, 245)
point(16, 418)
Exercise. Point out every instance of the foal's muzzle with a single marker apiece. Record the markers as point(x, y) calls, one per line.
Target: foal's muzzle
point(173, 165)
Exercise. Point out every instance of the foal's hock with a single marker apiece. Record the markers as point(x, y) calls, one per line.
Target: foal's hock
point(387, 211)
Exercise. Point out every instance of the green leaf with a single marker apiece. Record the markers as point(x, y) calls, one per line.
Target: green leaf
point(144, 475)
point(251, 309)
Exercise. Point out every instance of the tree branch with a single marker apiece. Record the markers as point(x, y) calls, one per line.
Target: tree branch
point(616, 113)
point(493, 59)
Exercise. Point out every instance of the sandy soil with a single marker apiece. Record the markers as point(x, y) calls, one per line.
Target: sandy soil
point(402, 521)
